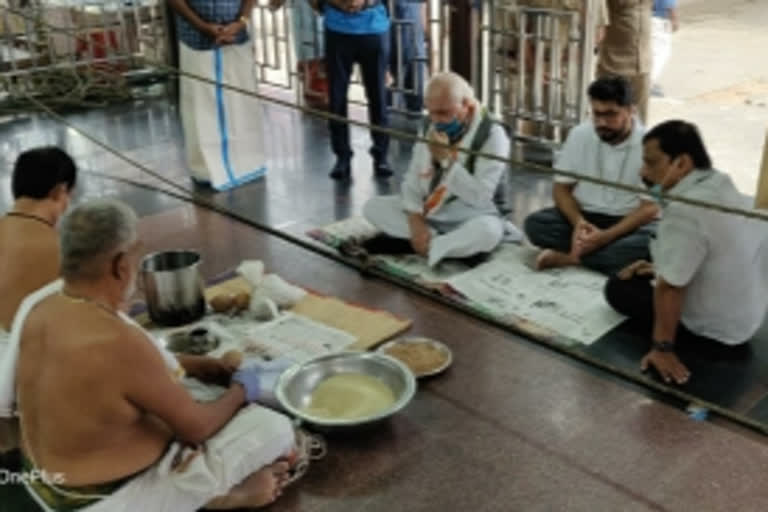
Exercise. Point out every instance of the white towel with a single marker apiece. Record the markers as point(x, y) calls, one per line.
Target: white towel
point(9, 357)
point(254, 438)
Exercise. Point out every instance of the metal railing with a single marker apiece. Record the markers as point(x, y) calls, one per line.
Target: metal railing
point(538, 64)
point(109, 43)
point(531, 64)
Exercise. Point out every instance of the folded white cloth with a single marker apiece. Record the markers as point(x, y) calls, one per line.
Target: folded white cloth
point(280, 291)
point(272, 287)
point(252, 271)
point(9, 357)
point(186, 479)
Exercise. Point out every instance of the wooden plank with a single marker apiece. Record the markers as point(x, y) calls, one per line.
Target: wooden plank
point(761, 197)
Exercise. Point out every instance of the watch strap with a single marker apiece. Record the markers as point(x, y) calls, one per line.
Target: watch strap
point(663, 346)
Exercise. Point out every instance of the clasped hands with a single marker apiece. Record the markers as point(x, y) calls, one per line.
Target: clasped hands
point(350, 6)
point(587, 238)
point(439, 147)
point(224, 34)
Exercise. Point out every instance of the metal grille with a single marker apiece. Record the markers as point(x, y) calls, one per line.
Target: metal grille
point(108, 45)
point(539, 63)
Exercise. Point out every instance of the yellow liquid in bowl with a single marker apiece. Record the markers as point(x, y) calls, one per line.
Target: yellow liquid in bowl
point(349, 396)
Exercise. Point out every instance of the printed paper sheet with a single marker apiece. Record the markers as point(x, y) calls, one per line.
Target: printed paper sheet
point(290, 335)
point(568, 301)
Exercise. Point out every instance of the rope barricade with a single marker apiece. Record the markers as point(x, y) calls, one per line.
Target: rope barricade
point(538, 168)
point(191, 196)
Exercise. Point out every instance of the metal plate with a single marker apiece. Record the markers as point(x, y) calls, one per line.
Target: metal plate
point(420, 340)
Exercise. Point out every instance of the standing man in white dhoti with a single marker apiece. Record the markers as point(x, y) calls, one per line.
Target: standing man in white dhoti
point(222, 128)
point(450, 205)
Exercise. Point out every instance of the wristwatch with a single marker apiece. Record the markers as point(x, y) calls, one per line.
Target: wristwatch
point(663, 346)
point(244, 19)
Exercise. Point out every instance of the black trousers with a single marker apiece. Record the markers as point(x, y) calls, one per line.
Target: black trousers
point(634, 298)
point(549, 229)
point(371, 52)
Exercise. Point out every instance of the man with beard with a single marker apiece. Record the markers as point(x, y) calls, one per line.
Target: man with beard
point(602, 228)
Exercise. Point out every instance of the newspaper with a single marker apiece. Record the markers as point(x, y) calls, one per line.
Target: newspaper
point(567, 301)
point(291, 336)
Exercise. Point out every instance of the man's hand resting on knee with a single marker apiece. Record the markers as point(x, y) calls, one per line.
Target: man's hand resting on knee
point(639, 268)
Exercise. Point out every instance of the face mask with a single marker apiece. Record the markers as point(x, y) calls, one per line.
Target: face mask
point(656, 190)
point(452, 129)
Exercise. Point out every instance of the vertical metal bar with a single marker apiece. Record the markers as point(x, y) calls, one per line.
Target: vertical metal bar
point(275, 39)
point(572, 86)
point(538, 66)
point(33, 56)
point(522, 40)
point(49, 39)
point(587, 49)
point(444, 14)
point(105, 24)
point(400, 80)
point(554, 68)
point(289, 41)
point(263, 30)
point(490, 62)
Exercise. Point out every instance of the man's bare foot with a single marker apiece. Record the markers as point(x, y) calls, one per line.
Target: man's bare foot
point(554, 259)
point(257, 490)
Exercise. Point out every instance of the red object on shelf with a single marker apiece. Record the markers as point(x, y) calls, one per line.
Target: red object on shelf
point(97, 40)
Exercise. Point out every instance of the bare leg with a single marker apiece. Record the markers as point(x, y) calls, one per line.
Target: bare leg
point(258, 490)
point(549, 258)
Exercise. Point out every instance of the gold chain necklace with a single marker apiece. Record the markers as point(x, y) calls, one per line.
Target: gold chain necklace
point(88, 300)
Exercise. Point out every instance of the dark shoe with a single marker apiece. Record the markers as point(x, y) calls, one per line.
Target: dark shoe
point(342, 171)
point(476, 259)
point(382, 170)
point(385, 244)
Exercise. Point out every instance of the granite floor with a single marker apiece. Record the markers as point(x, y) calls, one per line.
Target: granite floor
point(511, 426)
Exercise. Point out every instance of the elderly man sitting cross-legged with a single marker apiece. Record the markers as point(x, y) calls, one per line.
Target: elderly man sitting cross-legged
point(99, 404)
point(451, 203)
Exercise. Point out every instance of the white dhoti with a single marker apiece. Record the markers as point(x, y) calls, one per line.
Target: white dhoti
point(8, 426)
point(453, 236)
point(223, 129)
point(4, 337)
point(661, 37)
point(186, 479)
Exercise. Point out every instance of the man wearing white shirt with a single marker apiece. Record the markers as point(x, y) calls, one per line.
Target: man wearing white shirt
point(706, 285)
point(449, 205)
point(599, 227)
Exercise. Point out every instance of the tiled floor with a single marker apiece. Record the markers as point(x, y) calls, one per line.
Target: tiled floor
point(511, 426)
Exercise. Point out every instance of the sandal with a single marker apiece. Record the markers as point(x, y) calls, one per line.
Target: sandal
point(309, 447)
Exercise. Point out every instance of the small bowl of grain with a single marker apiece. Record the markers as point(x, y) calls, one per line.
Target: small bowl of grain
point(424, 356)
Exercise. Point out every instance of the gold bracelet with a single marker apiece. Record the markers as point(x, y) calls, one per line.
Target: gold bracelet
point(244, 20)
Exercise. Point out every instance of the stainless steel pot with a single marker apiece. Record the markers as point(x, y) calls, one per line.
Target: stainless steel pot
point(173, 287)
